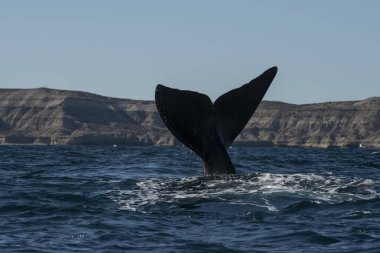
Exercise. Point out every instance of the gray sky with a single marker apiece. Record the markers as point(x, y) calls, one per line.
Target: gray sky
point(325, 50)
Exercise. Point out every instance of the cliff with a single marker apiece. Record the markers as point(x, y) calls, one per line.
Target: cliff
point(54, 117)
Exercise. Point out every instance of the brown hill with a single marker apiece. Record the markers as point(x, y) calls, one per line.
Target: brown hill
point(46, 116)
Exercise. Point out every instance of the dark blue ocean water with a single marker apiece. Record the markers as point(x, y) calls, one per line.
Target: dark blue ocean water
point(155, 199)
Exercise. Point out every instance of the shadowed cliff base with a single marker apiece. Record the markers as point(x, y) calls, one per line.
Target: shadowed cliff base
point(57, 117)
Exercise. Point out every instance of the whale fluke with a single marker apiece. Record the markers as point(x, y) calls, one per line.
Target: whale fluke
point(210, 128)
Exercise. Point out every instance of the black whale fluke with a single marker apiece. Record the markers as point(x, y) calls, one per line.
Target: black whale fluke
point(209, 128)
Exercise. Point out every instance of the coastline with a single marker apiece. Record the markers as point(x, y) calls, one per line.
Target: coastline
point(61, 117)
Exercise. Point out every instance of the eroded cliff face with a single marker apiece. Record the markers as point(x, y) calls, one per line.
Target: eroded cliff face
point(52, 117)
point(45, 116)
point(340, 124)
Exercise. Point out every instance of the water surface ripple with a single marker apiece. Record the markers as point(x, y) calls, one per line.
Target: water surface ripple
point(139, 199)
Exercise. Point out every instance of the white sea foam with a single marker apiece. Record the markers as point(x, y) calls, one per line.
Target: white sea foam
point(254, 189)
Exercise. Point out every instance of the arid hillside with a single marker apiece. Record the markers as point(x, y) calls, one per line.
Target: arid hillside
point(55, 117)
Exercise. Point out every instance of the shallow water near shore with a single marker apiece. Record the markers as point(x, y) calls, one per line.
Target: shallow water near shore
point(139, 199)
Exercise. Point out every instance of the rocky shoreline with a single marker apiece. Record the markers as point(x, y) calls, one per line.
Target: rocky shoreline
point(57, 117)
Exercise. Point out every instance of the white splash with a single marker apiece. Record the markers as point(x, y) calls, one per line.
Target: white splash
point(254, 189)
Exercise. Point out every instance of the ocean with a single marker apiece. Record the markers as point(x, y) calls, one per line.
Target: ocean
point(156, 199)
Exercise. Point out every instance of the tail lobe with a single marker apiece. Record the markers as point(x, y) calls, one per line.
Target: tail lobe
point(209, 129)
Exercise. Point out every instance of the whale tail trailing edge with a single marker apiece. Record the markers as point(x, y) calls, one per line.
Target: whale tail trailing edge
point(209, 128)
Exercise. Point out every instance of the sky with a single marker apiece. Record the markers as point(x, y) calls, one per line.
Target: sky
point(326, 50)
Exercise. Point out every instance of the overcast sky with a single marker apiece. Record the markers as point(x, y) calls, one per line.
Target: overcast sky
point(326, 50)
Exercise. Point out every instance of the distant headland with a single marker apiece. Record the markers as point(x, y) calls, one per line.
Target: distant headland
point(60, 117)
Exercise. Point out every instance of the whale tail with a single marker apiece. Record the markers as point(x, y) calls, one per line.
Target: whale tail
point(209, 128)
